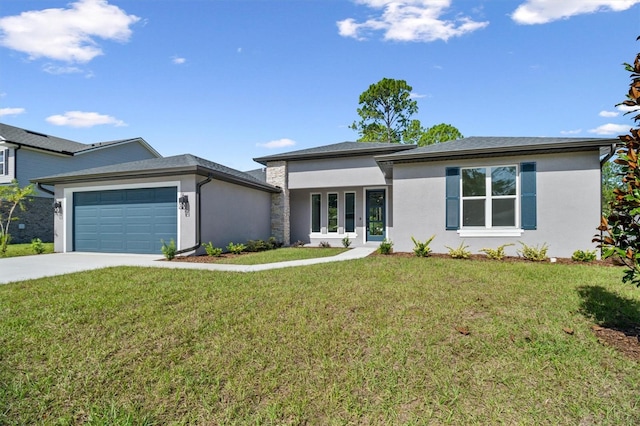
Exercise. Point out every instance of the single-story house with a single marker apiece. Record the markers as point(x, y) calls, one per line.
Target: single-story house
point(25, 154)
point(479, 191)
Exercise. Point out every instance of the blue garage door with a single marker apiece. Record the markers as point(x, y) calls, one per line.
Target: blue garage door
point(124, 221)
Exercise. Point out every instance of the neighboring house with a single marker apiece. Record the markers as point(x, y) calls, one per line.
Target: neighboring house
point(25, 154)
point(480, 192)
point(132, 207)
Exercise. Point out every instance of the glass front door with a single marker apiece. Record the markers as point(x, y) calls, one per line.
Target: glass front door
point(376, 224)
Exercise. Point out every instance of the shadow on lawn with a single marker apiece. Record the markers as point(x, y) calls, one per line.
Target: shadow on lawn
point(618, 319)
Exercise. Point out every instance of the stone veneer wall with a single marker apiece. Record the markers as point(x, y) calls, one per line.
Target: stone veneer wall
point(36, 221)
point(280, 208)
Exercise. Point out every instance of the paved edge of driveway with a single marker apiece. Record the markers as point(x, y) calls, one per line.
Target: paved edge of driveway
point(48, 265)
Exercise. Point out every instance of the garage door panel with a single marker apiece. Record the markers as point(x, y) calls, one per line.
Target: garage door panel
point(125, 221)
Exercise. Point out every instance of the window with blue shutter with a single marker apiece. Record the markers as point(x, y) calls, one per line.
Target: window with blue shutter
point(528, 219)
point(453, 198)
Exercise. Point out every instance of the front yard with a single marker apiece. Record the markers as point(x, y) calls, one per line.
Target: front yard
point(382, 340)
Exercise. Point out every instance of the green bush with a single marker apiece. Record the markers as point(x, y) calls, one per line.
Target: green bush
point(257, 245)
point(421, 249)
point(534, 253)
point(37, 246)
point(497, 253)
point(584, 256)
point(346, 242)
point(169, 250)
point(460, 252)
point(212, 251)
point(236, 248)
point(386, 247)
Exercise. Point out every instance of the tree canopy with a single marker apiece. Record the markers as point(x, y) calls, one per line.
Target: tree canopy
point(386, 110)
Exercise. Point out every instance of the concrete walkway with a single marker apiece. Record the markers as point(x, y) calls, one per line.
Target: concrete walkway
point(46, 265)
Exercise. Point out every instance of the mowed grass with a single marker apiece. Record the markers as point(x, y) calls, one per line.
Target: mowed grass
point(14, 250)
point(371, 341)
point(280, 255)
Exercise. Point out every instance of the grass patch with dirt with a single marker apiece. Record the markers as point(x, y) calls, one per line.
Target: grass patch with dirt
point(381, 340)
point(283, 254)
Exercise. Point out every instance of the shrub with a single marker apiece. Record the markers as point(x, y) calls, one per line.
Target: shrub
point(275, 243)
point(460, 252)
point(534, 253)
point(346, 242)
point(325, 244)
point(236, 248)
point(212, 251)
point(37, 246)
point(298, 244)
point(386, 247)
point(584, 256)
point(421, 249)
point(496, 254)
point(257, 245)
point(169, 250)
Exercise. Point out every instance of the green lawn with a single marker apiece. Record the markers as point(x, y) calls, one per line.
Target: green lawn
point(280, 255)
point(371, 341)
point(14, 250)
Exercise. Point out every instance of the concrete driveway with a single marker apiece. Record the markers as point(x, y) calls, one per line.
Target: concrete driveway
point(46, 265)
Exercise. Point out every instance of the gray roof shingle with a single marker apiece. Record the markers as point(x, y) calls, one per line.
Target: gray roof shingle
point(492, 146)
point(165, 166)
point(342, 149)
point(23, 137)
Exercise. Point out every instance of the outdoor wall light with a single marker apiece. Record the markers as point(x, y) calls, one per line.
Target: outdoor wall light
point(57, 207)
point(183, 202)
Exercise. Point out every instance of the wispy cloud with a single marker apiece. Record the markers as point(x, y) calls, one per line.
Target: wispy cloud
point(608, 114)
point(11, 111)
point(279, 143)
point(544, 11)
point(414, 95)
point(83, 119)
point(611, 129)
point(410, 20)
point(178, 60)
point(571, 132)
point(66, 34)
point(56, 70)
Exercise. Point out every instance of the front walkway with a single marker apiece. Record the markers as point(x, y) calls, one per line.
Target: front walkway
point(47, 265)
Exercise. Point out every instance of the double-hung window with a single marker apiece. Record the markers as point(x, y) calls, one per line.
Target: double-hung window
point(497, 199)
point(489, 197)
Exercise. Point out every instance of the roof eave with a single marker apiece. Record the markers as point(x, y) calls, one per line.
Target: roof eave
point(334, 154)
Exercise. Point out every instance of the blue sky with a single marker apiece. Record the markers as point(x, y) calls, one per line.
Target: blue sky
point(232, 80)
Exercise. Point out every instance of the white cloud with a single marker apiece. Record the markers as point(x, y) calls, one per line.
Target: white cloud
point(66, 34)
point(280, 143)
point(55, 69)
point(608, 114)
point(626, 109)
point(414, 95)
point(543, 11)
point(611, 129)
point(177, 60)
point(410, 20)
point(83, 119)
point(11, 111)
point(571, 132)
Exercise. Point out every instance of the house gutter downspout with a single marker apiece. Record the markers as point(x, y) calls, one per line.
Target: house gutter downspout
point(606, 158)
point(43, 189)
point(199, 185)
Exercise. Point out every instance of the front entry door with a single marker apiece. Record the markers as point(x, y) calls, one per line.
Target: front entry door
point(376, 223)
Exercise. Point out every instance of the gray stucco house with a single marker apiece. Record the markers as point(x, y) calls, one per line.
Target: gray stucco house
point(25, 154)
point(480, 191)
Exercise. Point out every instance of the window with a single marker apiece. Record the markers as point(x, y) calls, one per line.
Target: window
point(349, 212)
point(491, 198)
point(4, 168)
point(316, 208)
point(332, 213)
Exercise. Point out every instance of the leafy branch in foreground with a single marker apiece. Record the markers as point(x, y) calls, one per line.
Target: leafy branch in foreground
point(620, 230)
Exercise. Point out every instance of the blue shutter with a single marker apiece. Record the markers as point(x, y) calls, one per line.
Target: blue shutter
point(528, 218)
point(453, 198)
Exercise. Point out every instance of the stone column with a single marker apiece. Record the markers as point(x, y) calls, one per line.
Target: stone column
point(277, 175)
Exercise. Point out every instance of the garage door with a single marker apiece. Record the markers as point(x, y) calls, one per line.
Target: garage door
point(124, 221)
